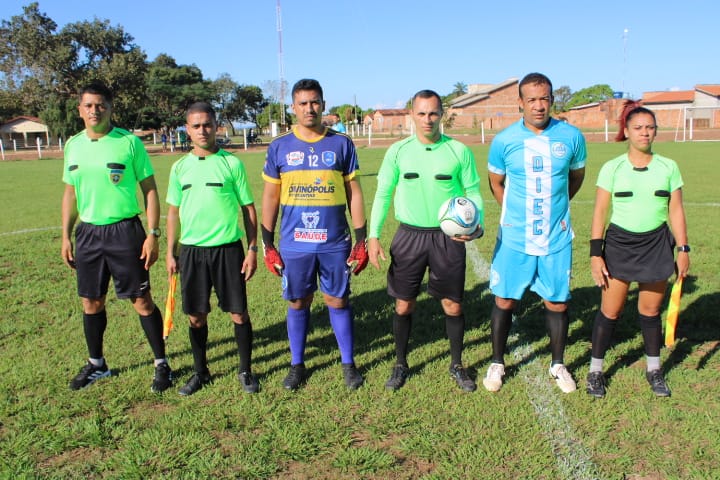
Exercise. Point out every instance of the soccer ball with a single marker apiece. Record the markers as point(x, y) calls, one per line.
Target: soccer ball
point(458, 216)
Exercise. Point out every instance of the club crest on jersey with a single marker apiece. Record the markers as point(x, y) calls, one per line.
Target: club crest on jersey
point(295, 158)
point(116, 176)
point(559, 150)
point(328, 158)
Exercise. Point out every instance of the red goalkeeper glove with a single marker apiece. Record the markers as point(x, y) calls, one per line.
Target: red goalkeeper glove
point(273, 260)
point(358, 258)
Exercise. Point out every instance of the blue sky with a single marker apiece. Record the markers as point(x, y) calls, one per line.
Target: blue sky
point(378, 53)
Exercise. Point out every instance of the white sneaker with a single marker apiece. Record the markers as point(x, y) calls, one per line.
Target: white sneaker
point(493, 379)
point(563, 378)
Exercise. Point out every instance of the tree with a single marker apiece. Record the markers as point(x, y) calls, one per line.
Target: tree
point(596, 93)
point(562, 96)
point(224, 87)
point(45, 68)
point(248, 102)
point(349, 113)
point(171, 88)
point(459, 88)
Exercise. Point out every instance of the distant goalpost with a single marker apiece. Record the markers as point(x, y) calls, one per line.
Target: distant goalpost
point(698, 124)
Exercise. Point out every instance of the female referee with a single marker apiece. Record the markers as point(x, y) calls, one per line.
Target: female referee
point(644, 191)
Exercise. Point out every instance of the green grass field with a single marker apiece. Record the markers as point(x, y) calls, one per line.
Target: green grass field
point(429, 429)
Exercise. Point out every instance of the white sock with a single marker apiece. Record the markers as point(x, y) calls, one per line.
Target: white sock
point(596, 364)
point(98, 362)
point(653, 363)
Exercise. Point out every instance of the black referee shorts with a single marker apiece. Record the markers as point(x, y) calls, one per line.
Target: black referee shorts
point(202, 268)
point(415, 249)
point(640, 257)
point(102, 251)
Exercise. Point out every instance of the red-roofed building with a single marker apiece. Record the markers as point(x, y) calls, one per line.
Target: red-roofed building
point(698, 106)
point(24, 130)
point(492, 105)
point(392, 120)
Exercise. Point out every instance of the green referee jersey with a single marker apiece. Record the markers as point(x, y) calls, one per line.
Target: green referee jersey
point(423, 176)
point(209, 192)
point(639, 197)
point(105, 173)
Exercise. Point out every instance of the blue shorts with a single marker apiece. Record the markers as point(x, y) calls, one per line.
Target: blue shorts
point(302, 270)
point(547, 275)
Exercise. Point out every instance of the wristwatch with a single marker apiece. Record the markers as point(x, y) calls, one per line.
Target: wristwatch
point(155, 232)
point(683, 248)
point(253, 248)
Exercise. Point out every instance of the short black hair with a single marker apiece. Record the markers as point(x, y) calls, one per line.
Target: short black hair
point(201, 107)
point(96, 87)
point(426, 94)
point(307, 84)
point(535, 79)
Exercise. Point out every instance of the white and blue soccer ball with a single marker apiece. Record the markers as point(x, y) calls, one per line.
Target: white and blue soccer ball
point(458, 216)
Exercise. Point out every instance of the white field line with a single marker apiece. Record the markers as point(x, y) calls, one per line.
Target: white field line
point(687, 204)
point(573, 459)
point(45, 229)
point(479, 265)
point(29, 230)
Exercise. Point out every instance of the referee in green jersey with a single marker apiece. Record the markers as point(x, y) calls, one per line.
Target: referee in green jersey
point(207, 189)
point(102, 167)
point(425, 170)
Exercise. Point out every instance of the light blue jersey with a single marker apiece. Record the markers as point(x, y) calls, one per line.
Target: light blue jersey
point(535, 216)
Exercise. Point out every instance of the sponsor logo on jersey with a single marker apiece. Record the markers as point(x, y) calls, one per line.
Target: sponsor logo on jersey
point(328, 158)
point(310, 234)
point(295, 158)
point(312, 189)
point(559, 150)
point(311, 219)
point(116, 176)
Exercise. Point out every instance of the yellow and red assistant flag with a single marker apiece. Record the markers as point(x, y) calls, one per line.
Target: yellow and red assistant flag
point(169, 306)
point(672, 313)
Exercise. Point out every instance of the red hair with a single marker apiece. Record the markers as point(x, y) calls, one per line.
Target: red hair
point(628, 108)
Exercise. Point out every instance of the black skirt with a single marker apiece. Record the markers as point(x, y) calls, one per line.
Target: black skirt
point(639, 257)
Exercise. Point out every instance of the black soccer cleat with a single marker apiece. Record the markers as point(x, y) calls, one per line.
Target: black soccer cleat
point(196, 382)
point(461, 377)
point(163, 378)
point(399, 374)
point(88, 375)
point(596, 384)
point(249, 382)
point(657, 383)
point(295, 377)
point(353, 379)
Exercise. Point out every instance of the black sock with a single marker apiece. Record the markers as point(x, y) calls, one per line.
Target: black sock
point(94, 325)
point(455, 329)
point(500, 323)
point(557, 324)
point(153, 326)
point(243, 337)
point(401, 332)
point(602, 333)
point(651, 328)
point(198, 343)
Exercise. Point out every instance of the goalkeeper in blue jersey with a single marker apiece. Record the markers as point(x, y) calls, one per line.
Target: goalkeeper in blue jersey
point(310, 172)
point(535, 166)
